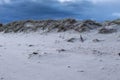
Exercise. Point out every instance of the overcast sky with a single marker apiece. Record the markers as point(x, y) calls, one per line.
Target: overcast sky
point(99, 10)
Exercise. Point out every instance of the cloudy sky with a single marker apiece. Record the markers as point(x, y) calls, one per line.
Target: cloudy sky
point(99, 10)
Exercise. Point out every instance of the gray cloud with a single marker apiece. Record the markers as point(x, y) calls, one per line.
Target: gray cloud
point(45, 9)
point(39, 10)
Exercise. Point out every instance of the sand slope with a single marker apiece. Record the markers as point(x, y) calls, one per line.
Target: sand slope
point(37, 56)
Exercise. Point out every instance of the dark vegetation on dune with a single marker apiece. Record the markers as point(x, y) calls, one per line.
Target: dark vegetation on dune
point(58, 25)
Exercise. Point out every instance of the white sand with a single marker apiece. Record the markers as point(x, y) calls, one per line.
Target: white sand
point(80, 61)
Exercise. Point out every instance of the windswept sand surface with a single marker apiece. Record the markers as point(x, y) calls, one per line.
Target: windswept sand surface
point(36, 56)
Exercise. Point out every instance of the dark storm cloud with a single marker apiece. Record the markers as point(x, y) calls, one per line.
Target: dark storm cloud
point(52, 9)
point(42, 9)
